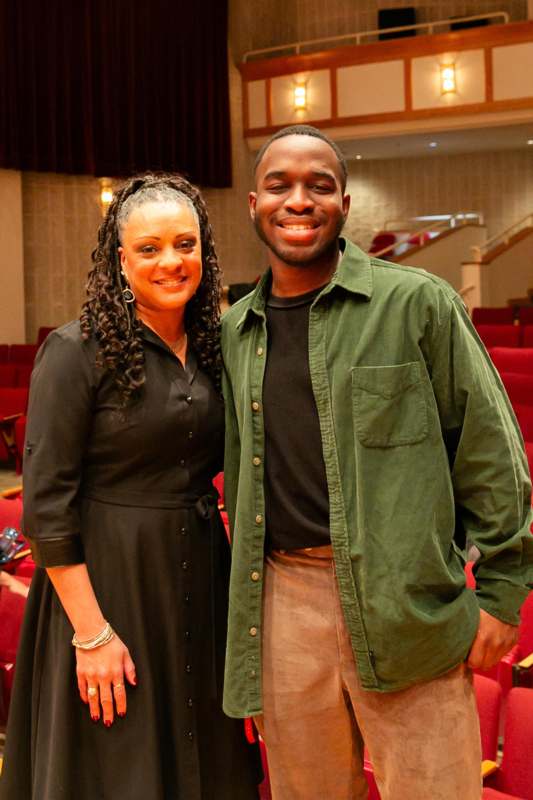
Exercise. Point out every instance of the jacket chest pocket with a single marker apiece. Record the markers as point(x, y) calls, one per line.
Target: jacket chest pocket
point(389, 407)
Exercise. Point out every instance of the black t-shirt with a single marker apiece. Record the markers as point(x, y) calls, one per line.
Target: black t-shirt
point(296, 492)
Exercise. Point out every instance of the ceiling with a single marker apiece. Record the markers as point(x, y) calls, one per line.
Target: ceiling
point(415, 145)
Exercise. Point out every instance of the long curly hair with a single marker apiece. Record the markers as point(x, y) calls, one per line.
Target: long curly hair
point(112, 322)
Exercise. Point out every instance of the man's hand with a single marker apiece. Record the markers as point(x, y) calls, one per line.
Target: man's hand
point(493, 640)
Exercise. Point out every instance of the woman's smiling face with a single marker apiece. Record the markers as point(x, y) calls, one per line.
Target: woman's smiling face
point(161, 255)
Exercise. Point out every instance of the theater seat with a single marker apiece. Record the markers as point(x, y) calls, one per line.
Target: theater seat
point(8, 376)
point(513, 359)
point(527, 335)
point(12, 403)
point(514, 778)
point(495, 335)
point(22, 353)
point(493, 316)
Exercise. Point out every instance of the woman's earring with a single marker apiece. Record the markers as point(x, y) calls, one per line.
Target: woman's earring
point(128, 295)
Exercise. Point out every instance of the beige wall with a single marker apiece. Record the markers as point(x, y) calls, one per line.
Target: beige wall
point(510, 275)
point(444, 257)
point(11, 258)
point(500, 185)
point(266, 23)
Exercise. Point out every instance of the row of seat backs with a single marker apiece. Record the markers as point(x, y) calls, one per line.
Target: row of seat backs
point(13, 376)
point(502, 316)
point(505, 335)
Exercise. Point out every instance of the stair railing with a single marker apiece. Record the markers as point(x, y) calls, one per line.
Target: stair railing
point(480, 251)
point(439, 226)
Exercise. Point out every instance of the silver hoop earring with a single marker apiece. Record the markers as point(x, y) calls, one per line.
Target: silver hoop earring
point(128, 295)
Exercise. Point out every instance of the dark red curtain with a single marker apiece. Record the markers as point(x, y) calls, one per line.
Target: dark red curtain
point(113, 87)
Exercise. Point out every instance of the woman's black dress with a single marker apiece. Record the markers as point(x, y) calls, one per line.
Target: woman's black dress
point(130, 494)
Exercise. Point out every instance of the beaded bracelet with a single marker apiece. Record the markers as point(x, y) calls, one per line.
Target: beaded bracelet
point(103, 637)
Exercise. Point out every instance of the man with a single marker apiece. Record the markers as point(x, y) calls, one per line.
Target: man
point(368, 437)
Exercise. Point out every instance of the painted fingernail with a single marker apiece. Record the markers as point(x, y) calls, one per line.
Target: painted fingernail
point(121, 713)
point(107, 723)
point(95, 719)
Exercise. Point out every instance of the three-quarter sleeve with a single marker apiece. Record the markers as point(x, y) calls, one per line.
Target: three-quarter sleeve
point(59, 421)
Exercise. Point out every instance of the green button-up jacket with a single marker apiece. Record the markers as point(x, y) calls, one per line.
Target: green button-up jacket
point(422, 451)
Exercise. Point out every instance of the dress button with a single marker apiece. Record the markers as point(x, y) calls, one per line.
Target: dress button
point(188, 668)
point(253, 631)
point(182, 462)
point(256, 461)
point(260, 351)
point(258, 519)
point(187, 635)
point(189, 702)
point(187, 597)
point(185, 565)
point(190, 735)
point(255, 576)
point(255, 406)
point(190, 434)
point(188, 399)
point(183, 531)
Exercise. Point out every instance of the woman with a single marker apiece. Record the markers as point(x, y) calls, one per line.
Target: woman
point(124, 437)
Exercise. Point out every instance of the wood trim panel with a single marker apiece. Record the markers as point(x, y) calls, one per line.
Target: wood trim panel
point(245, 107)
point(469, 39)
point(268, 101)
point(489, 76)
point(400, 116)
point(408, 86)
point(333, 93)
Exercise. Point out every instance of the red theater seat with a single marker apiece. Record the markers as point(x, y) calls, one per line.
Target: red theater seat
point(514, 778)
point(42, 334)
point(4, 353)
point(8, 376)
point(22, 353)
point(495, 335)
point(513, 359)
point(527, 335)
point(525, 315)
point(23, 374)
point(493, 316)
point(489, 701)
point(12, 402)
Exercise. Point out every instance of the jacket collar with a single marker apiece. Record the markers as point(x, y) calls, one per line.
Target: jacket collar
point(354, 274)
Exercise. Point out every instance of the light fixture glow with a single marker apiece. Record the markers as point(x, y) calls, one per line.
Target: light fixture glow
point(432, 144)
point(106, 194)
point(359, 156)
point(530, 141)
point(300, 96)
point(447, 78)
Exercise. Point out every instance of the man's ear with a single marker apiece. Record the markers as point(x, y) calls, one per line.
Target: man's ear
point(252, 201)
point(346, 200)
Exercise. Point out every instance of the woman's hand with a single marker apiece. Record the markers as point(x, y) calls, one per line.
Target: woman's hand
point(102, 674)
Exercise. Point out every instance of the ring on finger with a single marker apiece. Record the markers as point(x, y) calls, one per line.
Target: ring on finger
point(92, 691)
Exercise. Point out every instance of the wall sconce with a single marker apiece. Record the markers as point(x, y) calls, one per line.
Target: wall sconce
point(447, 78)
point(106, 194)
point(299, 99)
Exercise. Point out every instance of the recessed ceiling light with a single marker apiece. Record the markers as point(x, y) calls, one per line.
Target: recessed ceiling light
point(359, 156)
point(530, 141)
point(433, 144)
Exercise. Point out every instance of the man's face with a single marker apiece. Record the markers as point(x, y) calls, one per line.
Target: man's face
point(298, 208)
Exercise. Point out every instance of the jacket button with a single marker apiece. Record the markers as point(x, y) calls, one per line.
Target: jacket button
point(253, 631)
point(260, 351)
point(255, 406)
point(256, 461)
point(258, 519)
point(255, 576)
point(189, 399)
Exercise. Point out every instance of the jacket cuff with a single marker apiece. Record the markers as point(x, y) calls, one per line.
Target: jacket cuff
point(502, 600)
point(61, 551)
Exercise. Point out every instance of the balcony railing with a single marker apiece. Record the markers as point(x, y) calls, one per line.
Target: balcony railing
point(295, 48)
point(480, 251)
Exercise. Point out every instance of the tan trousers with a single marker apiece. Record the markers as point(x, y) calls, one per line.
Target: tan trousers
point(423, 741)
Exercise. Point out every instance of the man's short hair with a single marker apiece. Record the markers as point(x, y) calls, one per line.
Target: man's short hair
point(305, 130)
